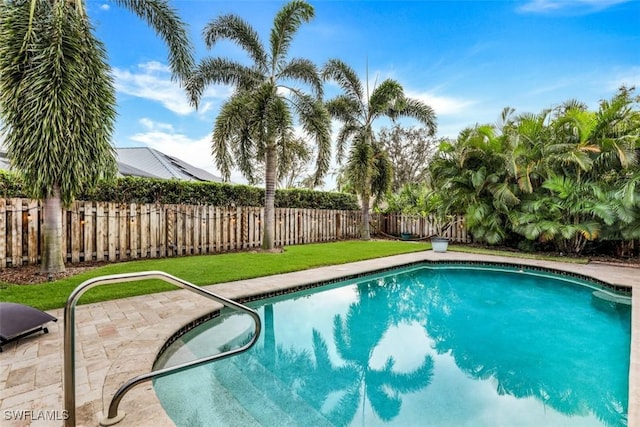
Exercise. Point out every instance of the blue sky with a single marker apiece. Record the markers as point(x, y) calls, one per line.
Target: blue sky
point(467, 59)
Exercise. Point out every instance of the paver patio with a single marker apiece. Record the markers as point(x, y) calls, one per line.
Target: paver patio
point(116, 340)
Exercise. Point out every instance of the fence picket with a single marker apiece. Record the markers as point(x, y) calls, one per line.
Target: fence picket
point(76, 222)
point(88, 232)
point(100, 231)
point(112, 236)
point(32, 232)
point(154, 216)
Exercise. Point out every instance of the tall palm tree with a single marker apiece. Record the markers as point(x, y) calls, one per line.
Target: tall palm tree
point(368, 166)
point(256, 122)
point(57, 127)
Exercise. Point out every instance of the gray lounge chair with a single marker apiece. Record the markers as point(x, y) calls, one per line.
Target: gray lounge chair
point(18, 321)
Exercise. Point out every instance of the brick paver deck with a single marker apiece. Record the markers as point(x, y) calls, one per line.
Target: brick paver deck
point(119, 339)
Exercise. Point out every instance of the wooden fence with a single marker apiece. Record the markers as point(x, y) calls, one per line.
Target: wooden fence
point(100, 231)
point(96, 231)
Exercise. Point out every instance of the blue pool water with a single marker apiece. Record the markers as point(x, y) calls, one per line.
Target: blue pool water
point(428, 346)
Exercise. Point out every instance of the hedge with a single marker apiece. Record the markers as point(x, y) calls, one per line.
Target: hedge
point(151, 190)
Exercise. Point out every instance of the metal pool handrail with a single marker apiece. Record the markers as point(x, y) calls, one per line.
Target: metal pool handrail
point(69, 383)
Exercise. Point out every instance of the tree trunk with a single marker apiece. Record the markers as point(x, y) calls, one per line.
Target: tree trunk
point(271, 164)
point(365, 234)
point(52, 260)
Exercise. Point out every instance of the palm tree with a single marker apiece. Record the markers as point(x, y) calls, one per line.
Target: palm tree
point(368, 167)
point(57, 127)
point(256, 124)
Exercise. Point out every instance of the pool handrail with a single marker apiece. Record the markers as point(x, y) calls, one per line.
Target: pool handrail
point(114, 416)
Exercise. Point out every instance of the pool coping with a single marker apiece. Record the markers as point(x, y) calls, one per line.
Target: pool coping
point(156, 317)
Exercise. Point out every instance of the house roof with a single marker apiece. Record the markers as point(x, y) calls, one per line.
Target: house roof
point(148, 162)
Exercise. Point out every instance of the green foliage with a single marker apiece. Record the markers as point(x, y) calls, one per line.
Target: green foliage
point(11, 185)
point(302, 198)
point(564, 177)
point(151, 190)
point(412, 199)
point(57, 127)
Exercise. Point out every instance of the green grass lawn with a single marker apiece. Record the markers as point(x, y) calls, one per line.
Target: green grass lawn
point(204, 270)
point(212, 269)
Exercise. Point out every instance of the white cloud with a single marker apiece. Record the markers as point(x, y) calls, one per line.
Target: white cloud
point(193, 151)
point(443, 105)
point(153, 66)
point(204, 108)
point(155, 126)
point(154, 86)
point(105, 7)
point(547, 6)
point(152, 81)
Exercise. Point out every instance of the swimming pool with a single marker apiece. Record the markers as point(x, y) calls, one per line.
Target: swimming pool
point(434, 345)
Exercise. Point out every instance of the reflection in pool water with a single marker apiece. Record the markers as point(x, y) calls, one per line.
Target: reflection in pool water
point(428, 346)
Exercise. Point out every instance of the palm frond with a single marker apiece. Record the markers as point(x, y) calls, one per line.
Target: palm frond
point(236, 30)
point(169, 26)
point(503, 196)
point(285, 25)
point(384, 405)
point(344, 108)
point(346, 78)
point(219, 71)
point(231, 130)
point(385, 97)
point(416, 380)
point(420, 111)
point(381, 173)
point(347, 132)
point(316, 122)
point(278, 121)
point(359, 165)
point(563, 186)
point(305, 71)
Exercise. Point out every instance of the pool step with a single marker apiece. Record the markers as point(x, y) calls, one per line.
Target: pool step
point(219, 407)
point(225, 333)
point(261, 393)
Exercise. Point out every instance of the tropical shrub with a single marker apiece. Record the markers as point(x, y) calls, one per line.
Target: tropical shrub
point(566, 177)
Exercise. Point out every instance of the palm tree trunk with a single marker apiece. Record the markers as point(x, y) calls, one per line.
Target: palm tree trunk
point(268, 234)
point(365, 234)
point(52, 261)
